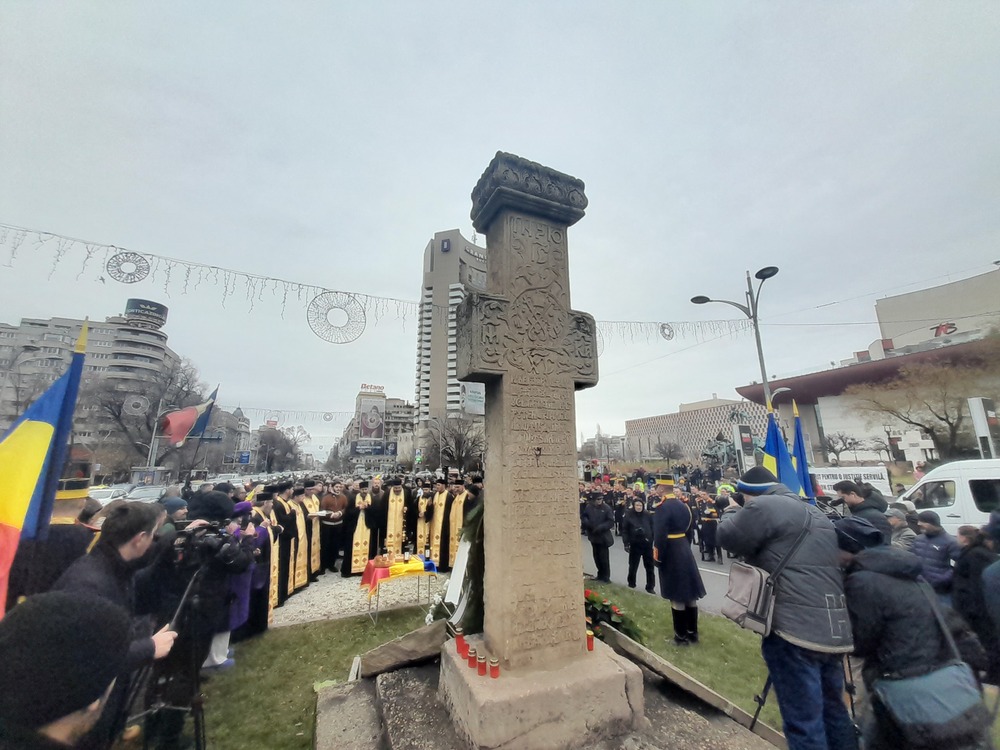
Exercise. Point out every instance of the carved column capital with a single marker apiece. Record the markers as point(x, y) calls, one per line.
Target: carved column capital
point(512, 182)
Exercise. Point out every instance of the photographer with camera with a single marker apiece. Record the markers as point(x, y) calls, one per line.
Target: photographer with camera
point(208, 550)
point(117, 570)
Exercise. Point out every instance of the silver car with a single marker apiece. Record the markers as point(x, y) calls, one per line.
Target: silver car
point(105, 495)
point(146, 493)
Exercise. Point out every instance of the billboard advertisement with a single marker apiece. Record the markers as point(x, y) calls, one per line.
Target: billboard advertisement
point(145, 313)
point(473, 398)
point(371, 417)
point(367, 448)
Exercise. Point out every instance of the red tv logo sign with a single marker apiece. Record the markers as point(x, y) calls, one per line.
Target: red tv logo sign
point(944, 329)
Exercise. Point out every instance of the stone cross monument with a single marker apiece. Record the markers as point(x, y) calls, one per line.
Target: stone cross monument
point(533, 352)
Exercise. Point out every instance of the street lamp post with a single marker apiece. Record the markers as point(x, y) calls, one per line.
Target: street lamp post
point(750, 310)
point(15, 365)
point(440, 431)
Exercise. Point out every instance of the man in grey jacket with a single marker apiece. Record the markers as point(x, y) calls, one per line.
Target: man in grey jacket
point(902, 534)
point(811, 628)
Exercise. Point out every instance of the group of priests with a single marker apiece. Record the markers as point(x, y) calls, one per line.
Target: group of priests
point(388, 518)
point(316, 524)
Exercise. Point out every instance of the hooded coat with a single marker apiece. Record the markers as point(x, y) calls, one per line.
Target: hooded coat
point(809, 609)
point(894, 625)
point(873, 509)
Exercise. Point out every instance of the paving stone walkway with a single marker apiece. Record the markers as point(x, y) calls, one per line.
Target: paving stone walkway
point(333, 597)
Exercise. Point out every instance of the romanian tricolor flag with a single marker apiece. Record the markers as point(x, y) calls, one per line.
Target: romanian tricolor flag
point(32, 456)
point(776, 458)
point(191, 421)
point(799, 458)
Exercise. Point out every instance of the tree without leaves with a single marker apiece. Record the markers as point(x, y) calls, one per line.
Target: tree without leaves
point(932, 396)
point(461, 445)
point(668, 450)
point(337, 464)
point(879, 446)
point(839, 442)
point(297, 437)
point(27, 387)
point(106, 397)
point(276, 452)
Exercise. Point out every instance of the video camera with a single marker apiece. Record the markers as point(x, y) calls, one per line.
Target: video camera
point(195, 546)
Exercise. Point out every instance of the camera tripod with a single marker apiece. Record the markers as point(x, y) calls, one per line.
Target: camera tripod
point(156, 683)
point(849, 688)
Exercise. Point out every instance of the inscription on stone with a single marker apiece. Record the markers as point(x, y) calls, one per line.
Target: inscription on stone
point(522, 338)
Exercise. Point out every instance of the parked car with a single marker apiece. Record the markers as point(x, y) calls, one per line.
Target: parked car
point(960, 492)
point(146, 493)
point(105, 495)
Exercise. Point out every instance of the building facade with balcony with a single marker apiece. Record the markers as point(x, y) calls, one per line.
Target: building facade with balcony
point(126, 348)
point(452, 265)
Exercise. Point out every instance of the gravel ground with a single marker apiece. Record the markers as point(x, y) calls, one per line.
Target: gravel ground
point(333, 597)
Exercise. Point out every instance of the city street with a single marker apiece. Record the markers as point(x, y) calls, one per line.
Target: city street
point(715, 576)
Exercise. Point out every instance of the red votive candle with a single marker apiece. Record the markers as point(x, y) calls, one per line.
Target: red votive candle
point(472, 657)
point(494, 668)
point(481, 664)
point(590, 640)
point(460, 643)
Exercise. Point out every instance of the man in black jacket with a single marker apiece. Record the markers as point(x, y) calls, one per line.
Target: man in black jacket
point(637, 533)
point(114, 571)
point(598, 522)
point(871, 508)
point(894, 626)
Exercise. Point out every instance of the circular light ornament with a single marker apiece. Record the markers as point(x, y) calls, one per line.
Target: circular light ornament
point(318, 315)
point(127, 267)
point(135, 405)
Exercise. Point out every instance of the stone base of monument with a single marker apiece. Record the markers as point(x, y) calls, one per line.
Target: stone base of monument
point(598, 695)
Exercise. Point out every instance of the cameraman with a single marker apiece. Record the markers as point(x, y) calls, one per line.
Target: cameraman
point(206, 547)
point(114, 570)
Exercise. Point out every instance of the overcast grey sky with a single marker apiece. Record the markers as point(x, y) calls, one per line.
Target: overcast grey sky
point(854, 145)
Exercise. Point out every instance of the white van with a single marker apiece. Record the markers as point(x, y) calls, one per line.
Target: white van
point(962, 492)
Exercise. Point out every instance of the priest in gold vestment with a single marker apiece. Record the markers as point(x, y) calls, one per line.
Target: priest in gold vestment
point(395, 529)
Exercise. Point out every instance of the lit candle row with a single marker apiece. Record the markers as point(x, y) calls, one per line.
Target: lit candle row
point(475, 661)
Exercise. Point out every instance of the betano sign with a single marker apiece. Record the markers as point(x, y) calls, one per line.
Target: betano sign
point(368, 388)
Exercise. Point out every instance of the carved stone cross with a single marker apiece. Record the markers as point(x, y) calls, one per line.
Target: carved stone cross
point(522, 339)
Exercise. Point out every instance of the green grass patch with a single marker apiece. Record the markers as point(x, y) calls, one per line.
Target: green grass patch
point(267, 699)
point(727, 659)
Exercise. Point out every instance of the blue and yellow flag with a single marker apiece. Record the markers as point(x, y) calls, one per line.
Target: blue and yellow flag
point(799, 458)
point(776, 458)
point(32, 456)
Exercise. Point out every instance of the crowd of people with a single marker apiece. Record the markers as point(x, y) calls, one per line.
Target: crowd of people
point(873, 583)
point(191, 573)
point(157, 592)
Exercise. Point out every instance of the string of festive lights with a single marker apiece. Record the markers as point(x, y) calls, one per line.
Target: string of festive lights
point(284, 417)
point(177, 275)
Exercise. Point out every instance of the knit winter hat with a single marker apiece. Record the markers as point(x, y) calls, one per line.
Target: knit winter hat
point(756, 481)
point(59, 652)
point(929, 516)
point(895, 513)
point(174, 504)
